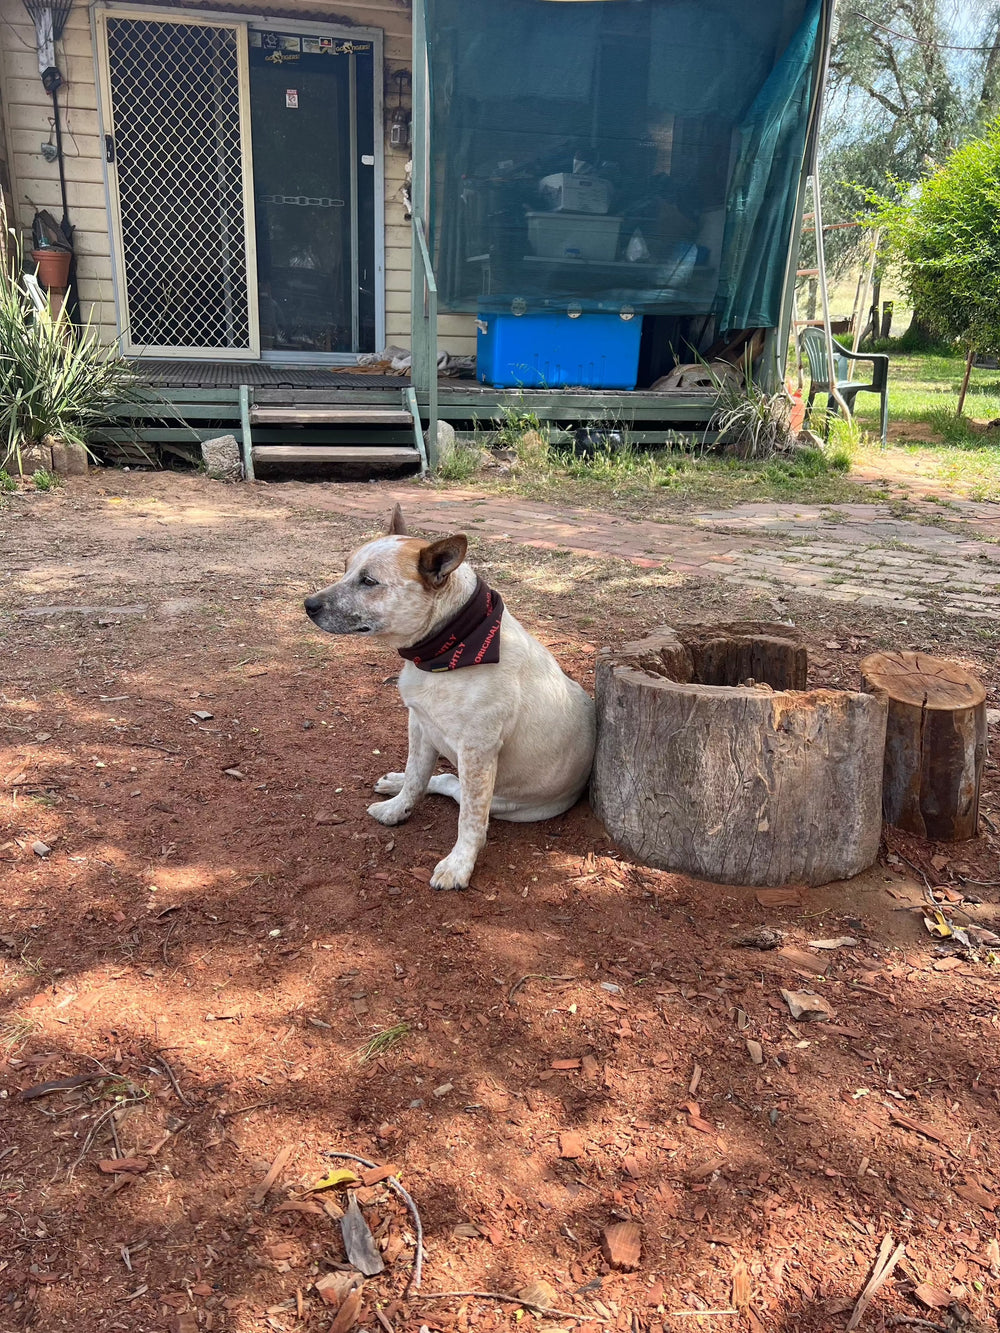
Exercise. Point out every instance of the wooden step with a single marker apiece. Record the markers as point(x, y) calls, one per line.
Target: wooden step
point(333, 453)
point(329, 416)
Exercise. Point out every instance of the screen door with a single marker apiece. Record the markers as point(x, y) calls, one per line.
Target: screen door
point(175, 93)
point(312, 117)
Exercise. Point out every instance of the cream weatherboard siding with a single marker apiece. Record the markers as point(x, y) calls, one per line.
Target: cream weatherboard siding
point(27, 110)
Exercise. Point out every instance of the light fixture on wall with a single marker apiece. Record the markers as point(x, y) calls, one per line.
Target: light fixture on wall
point(399, 121)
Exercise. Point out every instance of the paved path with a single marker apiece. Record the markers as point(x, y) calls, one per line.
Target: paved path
point(852, 553)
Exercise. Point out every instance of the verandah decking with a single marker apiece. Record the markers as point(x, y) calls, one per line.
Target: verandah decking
point(191, 401)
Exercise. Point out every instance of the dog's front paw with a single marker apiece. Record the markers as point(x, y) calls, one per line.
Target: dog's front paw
point(454, 872)
point(390, 785)
point(390, 812)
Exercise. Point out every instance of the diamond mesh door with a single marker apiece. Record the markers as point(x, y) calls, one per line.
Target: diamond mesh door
point(177, 94)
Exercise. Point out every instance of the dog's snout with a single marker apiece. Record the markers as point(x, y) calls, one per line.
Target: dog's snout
point(313, 605)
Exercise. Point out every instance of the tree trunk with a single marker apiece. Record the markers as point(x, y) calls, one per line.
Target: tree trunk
point(935, 744)
point(701, 769)
point(965, 381)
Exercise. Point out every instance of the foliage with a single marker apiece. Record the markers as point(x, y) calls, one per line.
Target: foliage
point(383, 1042)
point(44, 480)
point(945, 235)
point(7, 482)
point(460, 463)
point(902, 95)
point(54, 380)
point(751, 422)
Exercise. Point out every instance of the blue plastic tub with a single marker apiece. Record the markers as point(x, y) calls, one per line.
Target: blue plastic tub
point(550, 351)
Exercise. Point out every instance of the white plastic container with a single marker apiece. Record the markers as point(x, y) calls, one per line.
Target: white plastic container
point(574, 235)
point(566, 193)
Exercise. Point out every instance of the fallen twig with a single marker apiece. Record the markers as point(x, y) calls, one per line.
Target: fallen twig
point(243, 1110)
point(384, 1322)
point(160, 1060)
point(534, 976)
point(166, 941)
point(61, 1085)
point(679, 1314)
point(528, 1305)
point(895, 1319)
point(155, 745)
point(885, 1262)
point(393, 1183)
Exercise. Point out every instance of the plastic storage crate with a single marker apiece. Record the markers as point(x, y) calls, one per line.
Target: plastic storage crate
point(552, 350)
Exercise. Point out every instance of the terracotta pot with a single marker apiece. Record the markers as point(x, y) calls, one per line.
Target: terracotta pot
point(53, 267)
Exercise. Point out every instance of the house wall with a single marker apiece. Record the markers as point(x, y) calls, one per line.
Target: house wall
point(27, 110)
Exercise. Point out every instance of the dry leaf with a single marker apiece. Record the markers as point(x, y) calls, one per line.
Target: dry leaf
point(336, 1179)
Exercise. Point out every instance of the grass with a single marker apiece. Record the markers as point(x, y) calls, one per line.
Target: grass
point(632, 478)
point(924, 432)
point(383, 1042)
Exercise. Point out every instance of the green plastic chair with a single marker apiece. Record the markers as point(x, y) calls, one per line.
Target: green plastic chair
point(812, 342)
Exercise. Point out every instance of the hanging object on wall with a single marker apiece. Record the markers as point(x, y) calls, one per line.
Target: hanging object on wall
point(49, 18)
point(399, 121)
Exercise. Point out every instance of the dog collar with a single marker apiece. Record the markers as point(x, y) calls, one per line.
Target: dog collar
point(471, 639)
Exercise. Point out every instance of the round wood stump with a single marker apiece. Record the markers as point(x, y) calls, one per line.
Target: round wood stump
point(935, 744)
point(712, 759)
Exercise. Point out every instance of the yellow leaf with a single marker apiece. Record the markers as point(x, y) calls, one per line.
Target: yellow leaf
point(937, 924)
point(338, 1179)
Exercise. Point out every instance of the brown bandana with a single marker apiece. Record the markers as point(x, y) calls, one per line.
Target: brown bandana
point(471, 639)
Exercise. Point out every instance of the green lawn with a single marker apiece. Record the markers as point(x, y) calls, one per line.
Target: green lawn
point(923, 427)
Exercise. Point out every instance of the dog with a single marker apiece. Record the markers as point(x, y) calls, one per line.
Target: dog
point(480, 690)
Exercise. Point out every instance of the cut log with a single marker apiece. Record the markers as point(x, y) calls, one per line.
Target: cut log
point(935, 746)
point(712, 760)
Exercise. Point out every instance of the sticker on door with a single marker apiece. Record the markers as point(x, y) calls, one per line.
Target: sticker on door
point(292, 98)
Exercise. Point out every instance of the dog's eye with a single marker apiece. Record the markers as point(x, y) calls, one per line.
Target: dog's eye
point(367, 581)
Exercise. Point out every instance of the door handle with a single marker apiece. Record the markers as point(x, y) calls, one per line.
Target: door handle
point(109, 148)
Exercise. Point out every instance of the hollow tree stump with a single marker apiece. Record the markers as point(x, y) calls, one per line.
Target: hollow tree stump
point(713, 760)
point(935, 744)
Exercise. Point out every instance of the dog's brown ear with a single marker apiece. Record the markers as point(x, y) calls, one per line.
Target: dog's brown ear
point(441, 558)
point(397, 524)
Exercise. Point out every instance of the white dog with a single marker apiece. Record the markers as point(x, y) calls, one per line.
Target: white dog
point(480, 691)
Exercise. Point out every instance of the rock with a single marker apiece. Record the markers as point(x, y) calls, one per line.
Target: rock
point(32, 458)
point(68, 459)
point(804, 1006)
point(621, 1245)
point(40, 848)
point(446, 442)
point(222, 458)
point(992, 717)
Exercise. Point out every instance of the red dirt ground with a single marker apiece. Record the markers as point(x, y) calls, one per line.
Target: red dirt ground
point(217, 949)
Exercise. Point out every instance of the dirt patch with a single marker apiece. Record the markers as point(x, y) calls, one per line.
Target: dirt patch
point(217, 932)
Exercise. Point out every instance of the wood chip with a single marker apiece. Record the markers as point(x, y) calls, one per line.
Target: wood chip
point(811, 964)
point(695, 1118)
point(918, 1127)
point(571, 1145)
point(376, 1174)
point(334, 1288)
point(707, 1169)
point(973, 1193)
point(885, 1262)
point(540, 1293)
point(298, 1206)
point(779, 897)
point(756, 1051)
point(348, 1314)
point(741, 1285)
point(935, 1298)
point(841, 942)
point(565, 1064)
point(275, 1170)
point(621, 1245)
point(116, 1165)
point(590, 1066)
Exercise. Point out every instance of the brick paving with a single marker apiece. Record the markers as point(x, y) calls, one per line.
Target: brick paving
point(861, 554)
